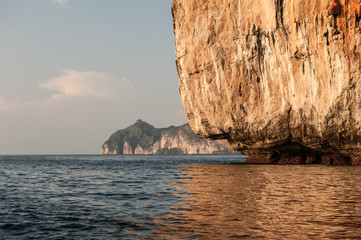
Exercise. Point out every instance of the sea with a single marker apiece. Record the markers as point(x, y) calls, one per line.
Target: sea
point(175, 197)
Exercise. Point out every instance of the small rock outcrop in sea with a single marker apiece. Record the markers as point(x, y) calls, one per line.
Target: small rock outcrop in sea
point(281, 80)
point(143, 138)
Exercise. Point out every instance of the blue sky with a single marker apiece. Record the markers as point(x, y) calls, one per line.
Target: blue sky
point(74, 71)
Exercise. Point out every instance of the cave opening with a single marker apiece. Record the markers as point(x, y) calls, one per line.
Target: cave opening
point(318, 159)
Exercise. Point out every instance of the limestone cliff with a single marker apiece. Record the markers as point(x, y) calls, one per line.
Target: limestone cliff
point(279, 79)
point(143, 138)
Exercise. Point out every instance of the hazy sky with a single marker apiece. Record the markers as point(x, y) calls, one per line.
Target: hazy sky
point(74, 71)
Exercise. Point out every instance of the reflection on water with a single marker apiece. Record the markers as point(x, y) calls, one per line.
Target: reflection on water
point(90, 197)
point(175, 197)
point(223, 201)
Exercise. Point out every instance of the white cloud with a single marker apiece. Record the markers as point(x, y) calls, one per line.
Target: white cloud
point(79, 113)
point(86, 84)
point(7, 104)
point(75, 117)
point(63, 3)
point(74, 86)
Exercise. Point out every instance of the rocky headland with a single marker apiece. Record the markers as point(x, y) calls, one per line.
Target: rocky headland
point(143, 138)
point(280, 80)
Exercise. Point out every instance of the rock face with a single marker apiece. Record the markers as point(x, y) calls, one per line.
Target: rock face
point(143, 138)
point(279, 79)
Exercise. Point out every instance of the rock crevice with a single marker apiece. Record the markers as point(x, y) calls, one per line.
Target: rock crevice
point(269, 74)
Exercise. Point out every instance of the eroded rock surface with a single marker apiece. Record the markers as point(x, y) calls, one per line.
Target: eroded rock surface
point(280, 79)
point(143, 138)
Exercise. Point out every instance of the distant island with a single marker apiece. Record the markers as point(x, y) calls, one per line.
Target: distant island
point(143, 138)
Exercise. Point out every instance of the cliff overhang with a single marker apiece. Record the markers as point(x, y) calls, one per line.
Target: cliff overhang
point(278, 79)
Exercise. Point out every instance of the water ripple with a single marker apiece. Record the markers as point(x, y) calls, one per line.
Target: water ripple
point(175, 197)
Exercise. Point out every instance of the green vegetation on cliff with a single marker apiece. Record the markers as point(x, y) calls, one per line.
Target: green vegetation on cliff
point(140, 133)
point(143, 138)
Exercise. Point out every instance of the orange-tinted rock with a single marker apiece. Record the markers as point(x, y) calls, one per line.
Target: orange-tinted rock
point(269, 75)
point(335, 8)
point(335, 159)
point(311, 159)
point(259, 158)
point(291, 160)
point(356, 160)
point(358, 10)
point(305, 158)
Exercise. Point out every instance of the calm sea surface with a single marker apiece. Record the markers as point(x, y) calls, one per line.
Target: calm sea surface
point(175, 197)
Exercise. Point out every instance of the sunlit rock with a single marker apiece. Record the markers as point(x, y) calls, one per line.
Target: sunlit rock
point(143, 138)
point(279, 79)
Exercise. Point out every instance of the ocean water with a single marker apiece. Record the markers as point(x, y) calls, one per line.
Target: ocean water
point(175, 197)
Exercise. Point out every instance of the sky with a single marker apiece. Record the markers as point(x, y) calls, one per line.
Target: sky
point(75, 71)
